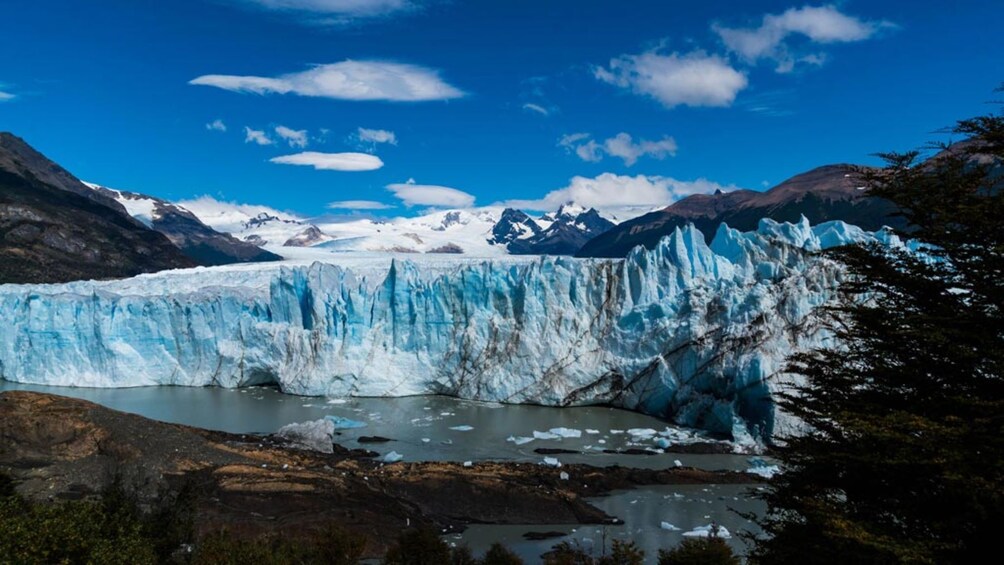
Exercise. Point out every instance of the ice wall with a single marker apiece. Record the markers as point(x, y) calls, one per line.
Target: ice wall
point(691, 332)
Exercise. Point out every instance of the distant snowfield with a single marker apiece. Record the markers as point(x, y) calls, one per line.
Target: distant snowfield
point(368, 267)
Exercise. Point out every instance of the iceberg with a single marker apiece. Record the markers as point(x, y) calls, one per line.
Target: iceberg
point(690, 332)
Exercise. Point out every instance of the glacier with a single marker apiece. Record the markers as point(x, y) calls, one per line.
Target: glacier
point(692, 332)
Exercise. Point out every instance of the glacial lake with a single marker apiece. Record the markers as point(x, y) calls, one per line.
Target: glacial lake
point(434, 428)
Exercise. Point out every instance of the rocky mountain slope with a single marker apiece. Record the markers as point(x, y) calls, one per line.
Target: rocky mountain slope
point(53, 228)
point(832, 192)
point(196, 240)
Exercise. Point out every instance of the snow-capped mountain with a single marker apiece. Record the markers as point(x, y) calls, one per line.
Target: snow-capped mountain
point(259, 225)
point(562, 232)
point(185, 230)
point(693, 332)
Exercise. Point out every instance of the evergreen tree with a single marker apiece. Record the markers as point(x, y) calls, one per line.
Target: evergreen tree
point(905, 458)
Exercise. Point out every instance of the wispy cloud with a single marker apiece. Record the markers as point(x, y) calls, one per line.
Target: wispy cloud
point(216, 125)
point(338, 12)
point(621, 195)
point(347, 80)
point(622, 146)
point(256, 136)
point(413, 194)
point(820, 25)
point(332, 161)
point(537, 108)
point(374, 136)
point(692, 79)
point(358, 205)
point(294, 137)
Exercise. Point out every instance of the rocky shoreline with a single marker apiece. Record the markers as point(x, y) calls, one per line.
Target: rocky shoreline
point(59, 448)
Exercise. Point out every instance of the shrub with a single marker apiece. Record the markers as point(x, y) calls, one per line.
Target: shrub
point(699, 551)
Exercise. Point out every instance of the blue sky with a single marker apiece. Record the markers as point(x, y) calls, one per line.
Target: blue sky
point(618, 104)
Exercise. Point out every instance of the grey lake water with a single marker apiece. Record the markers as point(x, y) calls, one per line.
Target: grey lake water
point(434, 428)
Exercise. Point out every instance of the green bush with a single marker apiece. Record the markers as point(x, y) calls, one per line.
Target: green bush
point(333, 546)
point(699, 551)
point(498, 554)
point(418, 547)
point(621, 553)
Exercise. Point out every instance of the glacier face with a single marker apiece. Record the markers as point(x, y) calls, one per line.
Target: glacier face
point(692, 332)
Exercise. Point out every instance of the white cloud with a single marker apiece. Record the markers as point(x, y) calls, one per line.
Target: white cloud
point(256, 136)
point(621, 195)
point(6, 96)
point(373, 136)
point(413, 194)
point(693, 79)
point(295, 137)
point(216, 125)
point(338, 11)
point(530, 107)
point(358, 205)
point(822, 24)
point(332, 161)
point(347, 80)
point(621, 146)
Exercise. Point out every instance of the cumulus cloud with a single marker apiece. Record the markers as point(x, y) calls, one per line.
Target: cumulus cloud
point(537, 108)
point(256, 136)
point(295, 137)
point(413, 194)
point(331, 161)
point(693, 79)
point(347, 80)
point(822, 25)
point(374, 136)
point(216, 125)
point(621, 195)
point(358, 205)
point(621, 146)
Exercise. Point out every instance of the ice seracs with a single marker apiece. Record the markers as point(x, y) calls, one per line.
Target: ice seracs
point(695, 333)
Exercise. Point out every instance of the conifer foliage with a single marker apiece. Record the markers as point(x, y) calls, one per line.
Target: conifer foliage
point(905, 458)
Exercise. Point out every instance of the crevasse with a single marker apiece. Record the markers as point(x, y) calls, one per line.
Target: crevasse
point(693, 333)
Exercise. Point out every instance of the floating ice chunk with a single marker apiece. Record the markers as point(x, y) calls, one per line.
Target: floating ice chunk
point(765, 471)
point(545, 435)
point(519, 440)
point(317, 435)
point(564, 476)
point(669, 527)
point(392, 457)
point(711, 530)
point(552, 462)
point(464, 428)
point(566, 432)
point(341, 423)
